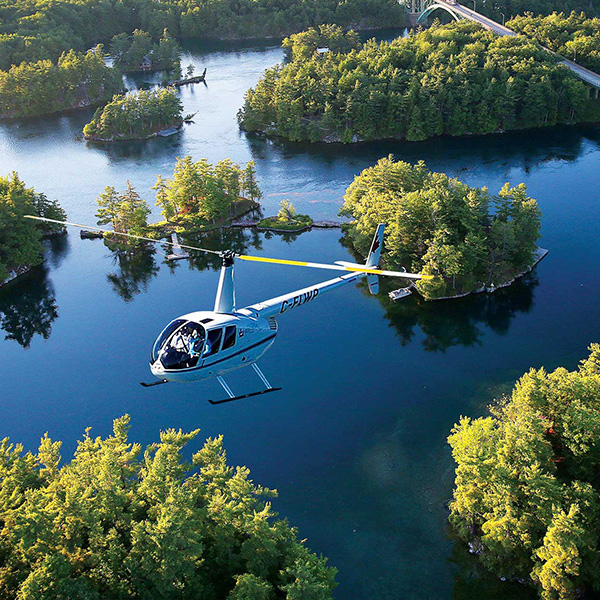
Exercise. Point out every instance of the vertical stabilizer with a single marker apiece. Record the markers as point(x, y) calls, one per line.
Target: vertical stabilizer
point(373, 259)
point(375, 251)
point(225, 300)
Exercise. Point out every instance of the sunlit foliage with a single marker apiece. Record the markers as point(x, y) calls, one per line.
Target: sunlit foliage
point(440, 226)
point(448, 80)
point(121, 522)
point(136, 115)
point(575, 37)
point(43, 87)
point(527, 494)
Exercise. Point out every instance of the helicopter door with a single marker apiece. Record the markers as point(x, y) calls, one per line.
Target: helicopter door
point(229, 337)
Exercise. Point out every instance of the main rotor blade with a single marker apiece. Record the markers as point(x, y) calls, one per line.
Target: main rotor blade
point(296, 263)
point(130, 235)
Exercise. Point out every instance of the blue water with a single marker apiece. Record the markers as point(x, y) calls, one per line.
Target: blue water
point(355, 442)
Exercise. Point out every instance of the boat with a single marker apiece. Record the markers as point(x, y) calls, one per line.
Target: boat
point(400, 293)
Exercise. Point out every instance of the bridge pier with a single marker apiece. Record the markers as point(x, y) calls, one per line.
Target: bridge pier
point(413, 18)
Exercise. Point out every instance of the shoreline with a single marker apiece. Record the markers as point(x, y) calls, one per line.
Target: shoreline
point(539, 255)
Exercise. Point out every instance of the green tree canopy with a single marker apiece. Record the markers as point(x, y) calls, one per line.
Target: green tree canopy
point(75, 81)
point(20, 239)
point(202, 192)
point(124, 523)
point(136, 115)
point(126, 212)
point(527, 494)
point(454, 79)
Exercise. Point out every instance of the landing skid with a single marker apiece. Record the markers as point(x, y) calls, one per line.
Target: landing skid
point(154, 383)
point(232, 396)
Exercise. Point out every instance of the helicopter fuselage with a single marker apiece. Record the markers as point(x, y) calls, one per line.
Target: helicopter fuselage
point(201, 345)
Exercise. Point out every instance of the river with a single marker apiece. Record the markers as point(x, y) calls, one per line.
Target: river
point(356, 441)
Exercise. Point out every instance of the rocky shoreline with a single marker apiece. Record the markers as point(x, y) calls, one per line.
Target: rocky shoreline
point(539, 254)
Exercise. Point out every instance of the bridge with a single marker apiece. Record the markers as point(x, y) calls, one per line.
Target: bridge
point(419, 10)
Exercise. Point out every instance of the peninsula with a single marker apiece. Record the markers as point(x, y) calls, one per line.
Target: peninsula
point(21, 239)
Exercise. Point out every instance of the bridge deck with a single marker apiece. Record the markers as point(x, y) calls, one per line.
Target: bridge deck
point(586, 75)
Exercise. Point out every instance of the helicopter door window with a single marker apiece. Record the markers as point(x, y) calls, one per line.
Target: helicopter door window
point(213, 341)
point(229, 338)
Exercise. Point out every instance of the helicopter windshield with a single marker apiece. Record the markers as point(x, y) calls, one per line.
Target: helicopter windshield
point(180, 345)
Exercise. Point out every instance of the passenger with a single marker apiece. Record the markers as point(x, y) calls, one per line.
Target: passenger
point(195, 342)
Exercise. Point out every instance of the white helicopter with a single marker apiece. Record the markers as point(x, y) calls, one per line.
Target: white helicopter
point(206, 344)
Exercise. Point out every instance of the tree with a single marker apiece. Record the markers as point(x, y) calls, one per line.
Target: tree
point(108, 209)
point(526, 487)
point(287, 212)
point(124, 523)
point(441, 227)
point(248, 184)
point(20, 239)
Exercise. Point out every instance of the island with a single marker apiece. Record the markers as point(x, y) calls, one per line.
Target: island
point(287, 220)
point(199, 197)
point(123, 521)
point(526, 491)
point(75, 81)
point(468, 240)
point(21, 239)
point(136, 116)
point(456, 79)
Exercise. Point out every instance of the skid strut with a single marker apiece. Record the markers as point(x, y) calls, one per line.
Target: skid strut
point(232, 397)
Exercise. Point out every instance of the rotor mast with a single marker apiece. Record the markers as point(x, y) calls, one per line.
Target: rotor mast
point(225, 300)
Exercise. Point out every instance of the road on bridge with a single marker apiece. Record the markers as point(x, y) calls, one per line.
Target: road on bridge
point(586, 75)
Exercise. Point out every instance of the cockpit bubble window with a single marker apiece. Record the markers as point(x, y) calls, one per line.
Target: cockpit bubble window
point(213, 341)
point(183, 349)
point(165, 335)
point(229, 338)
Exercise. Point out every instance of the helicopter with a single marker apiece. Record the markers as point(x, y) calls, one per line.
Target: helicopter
point(209, 344)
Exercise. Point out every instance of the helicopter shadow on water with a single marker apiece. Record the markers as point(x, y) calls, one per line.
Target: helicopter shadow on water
point(459, 322)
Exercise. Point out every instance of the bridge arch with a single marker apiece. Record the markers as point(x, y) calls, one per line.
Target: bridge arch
point(436, 6)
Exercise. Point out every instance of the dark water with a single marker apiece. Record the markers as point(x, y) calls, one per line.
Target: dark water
point(355, 443)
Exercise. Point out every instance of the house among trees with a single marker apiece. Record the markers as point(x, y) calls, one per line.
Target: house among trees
point(146, 64)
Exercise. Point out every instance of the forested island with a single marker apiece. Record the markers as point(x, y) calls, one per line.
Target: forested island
point(21, 239)
point(575, 37)
point(287, 219)
point(75, 81)
point(35, 30)
point(467, 239)
point(200, 196)
point(136, 116)
point(455, 79)
point(526, 492)
point(125, 523)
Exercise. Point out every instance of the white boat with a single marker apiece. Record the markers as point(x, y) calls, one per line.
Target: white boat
point(400, 293)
